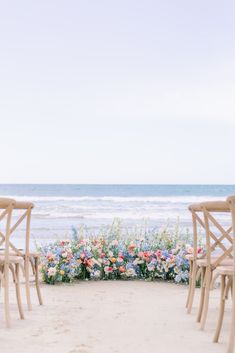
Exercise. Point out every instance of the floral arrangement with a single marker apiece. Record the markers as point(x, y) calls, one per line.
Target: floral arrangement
point(117, 254)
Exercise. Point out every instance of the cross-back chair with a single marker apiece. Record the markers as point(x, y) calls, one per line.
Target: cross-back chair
point(219, 250)
point(227, 282)
point(7, 261)
point(194, 270)
point(30, 258)
point(231, 201)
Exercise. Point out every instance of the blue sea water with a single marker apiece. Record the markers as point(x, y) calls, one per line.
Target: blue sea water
point(60, 207)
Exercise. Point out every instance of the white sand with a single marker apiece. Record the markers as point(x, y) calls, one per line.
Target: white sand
point(118, 317)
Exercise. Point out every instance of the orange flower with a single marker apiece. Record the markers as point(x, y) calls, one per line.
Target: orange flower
point(89, 263)
point(113, 260)
point(122, 269)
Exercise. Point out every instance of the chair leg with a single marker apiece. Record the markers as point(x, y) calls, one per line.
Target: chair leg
point(207, 295)
point(32, 263)
point(1, 279)
point(6, 297)
point(11, 268)
point(199, 315)
point(22, 269)
point(221, 310)
point(228, 287)
point(213, 280)
point(193, 285)
point(37, 283)
point(232, 327)
point(18, 295)
point(190, 282)
point(27, 285)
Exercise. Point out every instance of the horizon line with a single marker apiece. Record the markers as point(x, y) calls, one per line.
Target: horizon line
point(127, 184)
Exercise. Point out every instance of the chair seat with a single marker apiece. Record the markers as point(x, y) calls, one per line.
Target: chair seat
point(34, 254)
point(31, 254)
point(225, 262)
point(225, 270)
point(12, 259)
point(190, 257)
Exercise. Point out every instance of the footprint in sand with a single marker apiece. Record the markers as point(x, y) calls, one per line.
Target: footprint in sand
point(61, 327)
point(81, 349)
point(37, 333)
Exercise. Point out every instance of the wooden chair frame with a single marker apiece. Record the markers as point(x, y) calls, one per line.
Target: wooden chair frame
point(28, 257)
point(226, 284)
point(231, 202)
point(8, 262)
point(210, 265)
point(194, 274)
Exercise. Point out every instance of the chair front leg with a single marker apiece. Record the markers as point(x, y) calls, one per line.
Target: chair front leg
point(37, 282)
point(18, 294)
point(202, 295)
point(221, 309)
point(27, 284)
point(193, 286)
point(190, 282)
point(232, 327)
point(6, 297)
point(208, 277)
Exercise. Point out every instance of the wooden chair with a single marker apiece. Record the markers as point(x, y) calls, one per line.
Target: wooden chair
point(8, 262)
point(217, 238)
point(194, 273)
point(227, 282)
point(31, 259)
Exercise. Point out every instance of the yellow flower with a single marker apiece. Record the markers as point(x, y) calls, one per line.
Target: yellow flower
point(62, 272)
point(113, 260)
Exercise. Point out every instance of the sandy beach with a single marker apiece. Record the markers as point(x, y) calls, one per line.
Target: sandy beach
point(117, 316)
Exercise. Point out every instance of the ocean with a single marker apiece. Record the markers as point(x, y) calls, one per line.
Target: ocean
point(58, 208)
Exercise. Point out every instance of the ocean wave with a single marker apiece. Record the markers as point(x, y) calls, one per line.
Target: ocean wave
point(121, 199)
point(131, 215)
point(55, 215)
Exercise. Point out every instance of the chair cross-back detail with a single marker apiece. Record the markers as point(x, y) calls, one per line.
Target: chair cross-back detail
point(194, 272)
point(30, 258)
point(227, 275)
point(217, 239)
point(231, 202)
point(8, 262)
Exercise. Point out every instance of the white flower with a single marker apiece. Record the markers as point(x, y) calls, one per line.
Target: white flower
point(64, 255)
point(130, 272)
point(135, 262)
point(51, 271)
point(97, 274)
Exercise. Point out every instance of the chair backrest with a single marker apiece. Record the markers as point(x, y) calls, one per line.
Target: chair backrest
point(219, 241)
point(231, 202)
point(6, 207)
point(197, 220)
point(24, 215)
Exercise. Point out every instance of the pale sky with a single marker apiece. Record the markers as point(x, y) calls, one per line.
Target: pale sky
point(123, 91)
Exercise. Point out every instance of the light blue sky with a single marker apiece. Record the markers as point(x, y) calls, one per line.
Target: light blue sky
point(121, 91)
